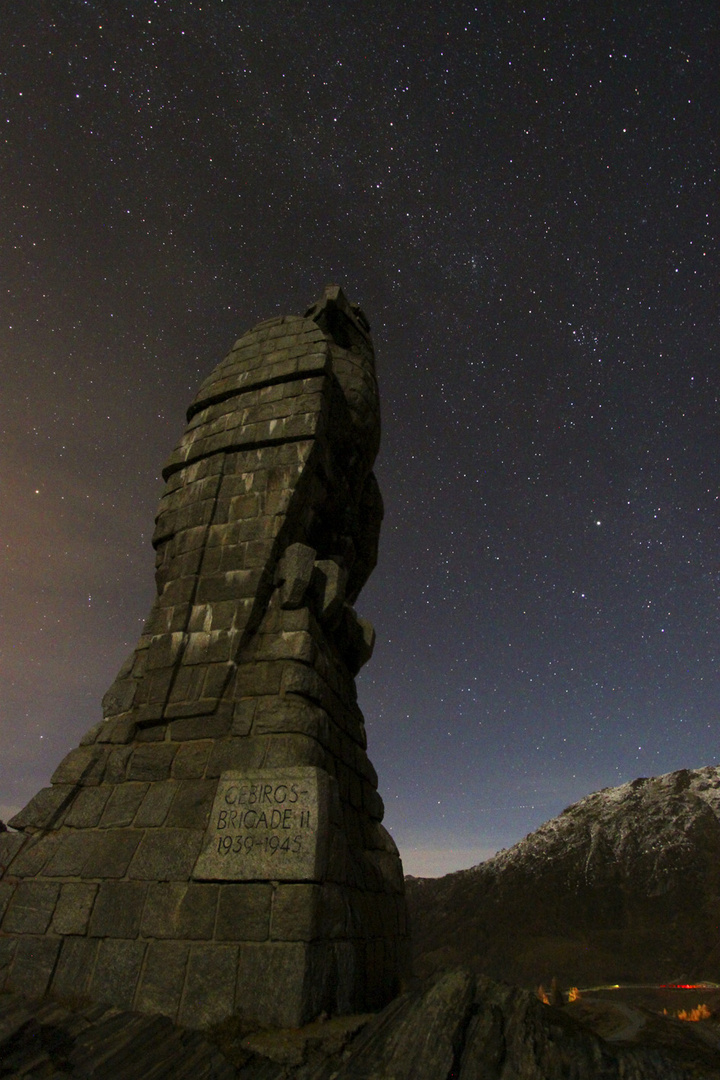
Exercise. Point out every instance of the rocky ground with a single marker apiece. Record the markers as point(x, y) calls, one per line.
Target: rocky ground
point(455, 1027)
point(40, 1039)
point(622, 887)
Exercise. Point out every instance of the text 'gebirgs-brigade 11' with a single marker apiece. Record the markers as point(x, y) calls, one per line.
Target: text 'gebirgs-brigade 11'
point(265, 827)
point(214, 845)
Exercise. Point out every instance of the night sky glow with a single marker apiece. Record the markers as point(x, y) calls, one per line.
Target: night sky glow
point(524, 200)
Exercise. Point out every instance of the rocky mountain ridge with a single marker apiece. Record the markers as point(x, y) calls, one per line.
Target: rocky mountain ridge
point(623, 886)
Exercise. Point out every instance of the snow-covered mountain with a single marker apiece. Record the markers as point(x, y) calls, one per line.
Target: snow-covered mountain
point(623, 886)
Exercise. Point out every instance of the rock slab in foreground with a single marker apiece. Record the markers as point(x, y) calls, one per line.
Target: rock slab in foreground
point(468, 1028)
point(460, 1027)
point(46, 1039)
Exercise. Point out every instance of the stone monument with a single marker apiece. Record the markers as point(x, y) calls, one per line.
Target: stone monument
point(214, 845)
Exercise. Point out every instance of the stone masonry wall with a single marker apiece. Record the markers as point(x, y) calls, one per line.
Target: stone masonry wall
point(148, 874)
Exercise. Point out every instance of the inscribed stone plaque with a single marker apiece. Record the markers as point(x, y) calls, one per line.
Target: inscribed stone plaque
point(267, 824)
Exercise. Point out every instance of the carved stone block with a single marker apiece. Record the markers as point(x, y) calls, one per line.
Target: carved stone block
point(267, 824)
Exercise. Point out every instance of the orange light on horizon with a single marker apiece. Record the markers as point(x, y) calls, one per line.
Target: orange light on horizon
point(700, 1012)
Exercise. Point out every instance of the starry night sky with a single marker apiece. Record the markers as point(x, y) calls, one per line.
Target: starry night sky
point(524, 200)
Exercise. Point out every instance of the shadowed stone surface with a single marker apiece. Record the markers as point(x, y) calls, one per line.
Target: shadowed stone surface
point(243, 679)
